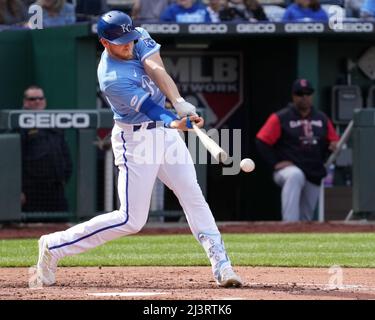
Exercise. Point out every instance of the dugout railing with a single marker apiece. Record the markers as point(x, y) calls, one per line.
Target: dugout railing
point(362, 132)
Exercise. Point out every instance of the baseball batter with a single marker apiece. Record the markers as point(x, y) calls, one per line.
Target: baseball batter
point(135, 83)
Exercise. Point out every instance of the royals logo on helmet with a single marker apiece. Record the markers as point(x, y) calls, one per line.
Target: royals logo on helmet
point(126, 27)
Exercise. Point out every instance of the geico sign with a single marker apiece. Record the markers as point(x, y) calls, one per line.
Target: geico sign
point(304, 27)
point(256, 28)
point(208, 28)
point(54, 120)
point(355, 27)
point(161, 28)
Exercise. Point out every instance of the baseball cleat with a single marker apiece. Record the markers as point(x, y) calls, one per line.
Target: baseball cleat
point(47, 264)
point(228, 278)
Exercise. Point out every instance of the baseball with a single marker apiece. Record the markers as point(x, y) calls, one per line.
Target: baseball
point(247, 165)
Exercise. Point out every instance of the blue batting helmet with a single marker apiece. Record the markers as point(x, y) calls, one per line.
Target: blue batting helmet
point(117, 27)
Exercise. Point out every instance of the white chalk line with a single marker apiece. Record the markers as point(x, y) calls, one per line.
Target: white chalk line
point(126, 294)
point(143, 294)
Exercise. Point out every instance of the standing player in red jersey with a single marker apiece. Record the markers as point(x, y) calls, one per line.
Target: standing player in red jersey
point(295, 142)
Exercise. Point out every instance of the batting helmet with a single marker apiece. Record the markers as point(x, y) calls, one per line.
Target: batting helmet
point(117, 27)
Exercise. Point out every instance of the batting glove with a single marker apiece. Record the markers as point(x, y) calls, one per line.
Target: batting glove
point(184, 108)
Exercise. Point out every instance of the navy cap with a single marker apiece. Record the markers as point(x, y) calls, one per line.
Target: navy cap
point(117, 27)
point(302, 86)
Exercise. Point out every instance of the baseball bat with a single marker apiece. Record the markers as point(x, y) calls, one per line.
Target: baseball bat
point(216, 151)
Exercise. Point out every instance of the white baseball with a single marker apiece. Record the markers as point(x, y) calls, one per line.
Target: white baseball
point(247, 165)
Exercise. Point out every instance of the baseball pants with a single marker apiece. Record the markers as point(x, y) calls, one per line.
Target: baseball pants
point(299, 197)
point(141, 157)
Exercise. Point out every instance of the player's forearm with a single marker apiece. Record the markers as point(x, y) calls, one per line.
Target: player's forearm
point(169, 88)
point(157, 113)
point(166, 85)
point(155, 69)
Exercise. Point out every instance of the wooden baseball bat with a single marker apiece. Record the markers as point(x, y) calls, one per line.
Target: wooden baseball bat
point(216, 151)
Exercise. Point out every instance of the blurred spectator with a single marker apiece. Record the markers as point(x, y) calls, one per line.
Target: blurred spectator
point(12, 12)
point(353, 8)
point(213, 8)
point(274, 12)
point(332, 2)
point(149, 10)
point(368, 9)
point(242, 10)
point(234, 12)
point(46, 161)
point(254, 11)
point(238, 4)
point(57, 12)
point(295, 142)
point(85, 8)
point(305, 10)
point(186, 11)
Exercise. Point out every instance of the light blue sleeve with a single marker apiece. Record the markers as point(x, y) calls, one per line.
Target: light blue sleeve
point(125, 96)
point(146, 46)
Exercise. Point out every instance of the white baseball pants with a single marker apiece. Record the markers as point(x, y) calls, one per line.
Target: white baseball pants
point(163, 154)
point(299, 197)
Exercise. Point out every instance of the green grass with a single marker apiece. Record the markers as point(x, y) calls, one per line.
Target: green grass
point(292, 250)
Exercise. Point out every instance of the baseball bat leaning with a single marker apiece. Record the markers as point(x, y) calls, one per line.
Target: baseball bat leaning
point(216, 151)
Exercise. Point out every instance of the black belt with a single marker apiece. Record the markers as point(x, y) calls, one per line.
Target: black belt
point(150, 125)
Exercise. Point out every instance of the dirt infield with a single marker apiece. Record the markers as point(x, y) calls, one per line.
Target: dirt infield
point(193, 283)
point(190, 283)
